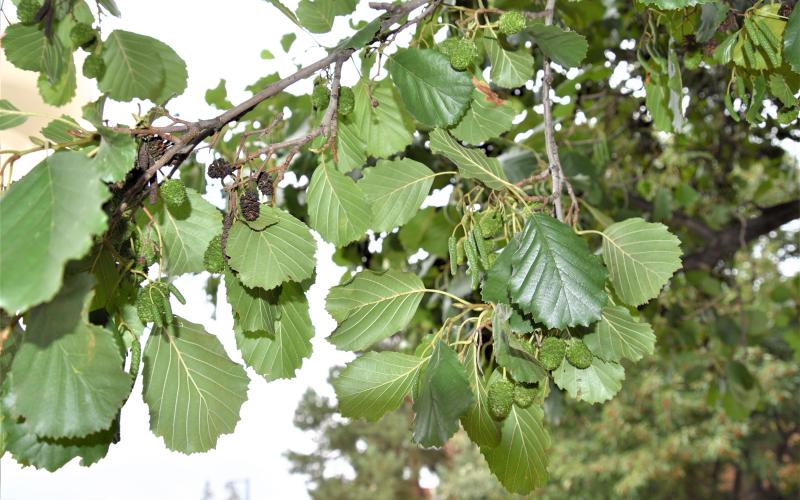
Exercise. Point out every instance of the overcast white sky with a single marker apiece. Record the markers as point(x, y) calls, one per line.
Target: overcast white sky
point(216, 42)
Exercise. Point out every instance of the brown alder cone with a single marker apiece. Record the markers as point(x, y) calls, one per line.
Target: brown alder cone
point(248, 203)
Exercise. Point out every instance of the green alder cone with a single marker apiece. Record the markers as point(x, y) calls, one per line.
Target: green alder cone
point(320, 96)
point(512, 22)
point(173, 192)
point(82, 35)
point(213, 260)
point(146, 308)
point(146, 250)
point(500, 397)
point(462, 54)
point(552, 352)
point(94, 67)
point(347, 101)
point(578, 354)
point(26, 11)
point(447, 46)
point(525, 395)
point(490, 224)
point(152, 303)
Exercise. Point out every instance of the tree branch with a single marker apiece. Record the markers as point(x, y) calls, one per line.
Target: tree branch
point(724, 243)
point(556, 173)
point(193, 133)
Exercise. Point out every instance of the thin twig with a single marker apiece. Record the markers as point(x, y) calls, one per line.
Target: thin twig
point(556, 173)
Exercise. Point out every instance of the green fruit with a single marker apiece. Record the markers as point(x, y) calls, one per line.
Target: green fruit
point(146, 251)
point(82, 35)
point(152, 303)
point(26, 11)
point(320, 97)
point(447, 46)
point(463, 54)
point(512, 22)
point(149, 253)
point(347, 101)
point(578, 354)
point(146, 307)
point(173, 192)
point(94, 67)
point(213, 260)
point(490, 224)
point(525, 395)
point(500, 396)
point(552, 352)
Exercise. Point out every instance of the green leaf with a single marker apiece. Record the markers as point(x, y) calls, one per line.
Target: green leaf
point(46, 453)
point(641, 257)
point(62, 90)
point(116, 155)
point(780, 89)
point(134, 67)
point(443, 396)
point(25, 47)
point(286, 12)
point(509, 69)
point(471, 163)
point(425, 231)
point(61, 130)
point(711, 16)
point(495, 285)
point(596, 384)
point(281, 354)
point(287, 40)
point(10, 115)
point(520, 460)
point(566, 48)
point(481, 428)
point(111, 7)
point(372, 306)
point(376, 383)
point(275, 248)
point(791, 40)
point(657, 105)
point(337, 208)
point(375, 131)
point(218, 96)
point(47, 218)
point(194, 391)
point(484, 120)
point(362, 36)
point(554, 276)
point(104, 269)
point(435, 93)
point(675, 86)
point(69, 365)
point(510, 352)
point(317, 16)
point(395, 189)
point(619, 335)
point(255, 309)
point(185, 231)
point(174, 70)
